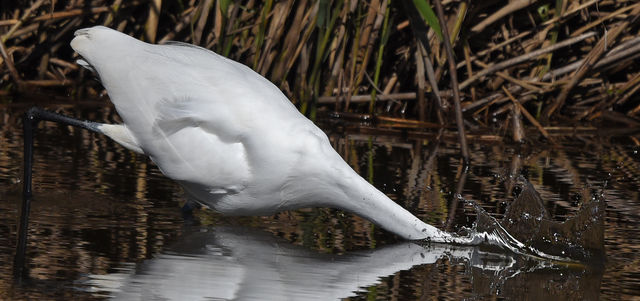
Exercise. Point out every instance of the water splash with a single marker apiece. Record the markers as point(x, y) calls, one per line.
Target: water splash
point(527, 229)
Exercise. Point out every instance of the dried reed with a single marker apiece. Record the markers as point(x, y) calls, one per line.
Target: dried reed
point(557, 61)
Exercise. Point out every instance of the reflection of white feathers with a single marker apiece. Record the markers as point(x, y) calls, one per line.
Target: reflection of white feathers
point(232, 263)
point(192, 278)
point(228, 135)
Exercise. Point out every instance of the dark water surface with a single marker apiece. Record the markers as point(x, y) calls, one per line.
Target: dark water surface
point(106, 223)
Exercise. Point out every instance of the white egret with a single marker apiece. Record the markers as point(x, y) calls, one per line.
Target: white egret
point(230, 137)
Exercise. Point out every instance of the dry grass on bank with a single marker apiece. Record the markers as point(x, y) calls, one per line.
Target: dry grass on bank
point(540, 61)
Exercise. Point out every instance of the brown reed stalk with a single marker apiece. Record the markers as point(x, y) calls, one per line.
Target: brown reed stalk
point(329, 54)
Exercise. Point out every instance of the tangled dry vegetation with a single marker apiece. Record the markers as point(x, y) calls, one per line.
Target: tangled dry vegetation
point(545, 62)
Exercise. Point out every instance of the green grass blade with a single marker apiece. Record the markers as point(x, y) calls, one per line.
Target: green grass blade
point(429, 16)
point(224, 7)
point(383, 41)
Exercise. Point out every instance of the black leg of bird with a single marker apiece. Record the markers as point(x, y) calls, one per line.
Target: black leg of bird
point(30, 122)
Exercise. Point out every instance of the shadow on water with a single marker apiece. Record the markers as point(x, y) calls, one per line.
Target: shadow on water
point(106, 223)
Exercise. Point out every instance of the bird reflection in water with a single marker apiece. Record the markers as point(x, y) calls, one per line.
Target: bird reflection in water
point(247, 264)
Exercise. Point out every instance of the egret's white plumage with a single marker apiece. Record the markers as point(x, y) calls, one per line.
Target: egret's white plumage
point(228, 135)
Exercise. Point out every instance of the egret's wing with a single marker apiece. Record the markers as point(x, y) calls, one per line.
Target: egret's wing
point(186, 150)
point(178, 43)
point(174, 115)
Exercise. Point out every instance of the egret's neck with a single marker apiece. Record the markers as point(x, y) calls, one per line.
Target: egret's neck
point(365, 200)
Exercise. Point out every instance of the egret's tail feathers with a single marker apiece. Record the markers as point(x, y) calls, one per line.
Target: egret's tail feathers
point(121, 134)
point(86, 65)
